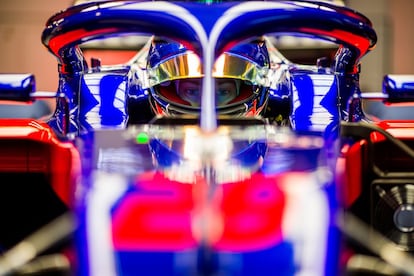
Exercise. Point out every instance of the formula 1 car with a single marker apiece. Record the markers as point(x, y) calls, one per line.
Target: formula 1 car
point(208, 152)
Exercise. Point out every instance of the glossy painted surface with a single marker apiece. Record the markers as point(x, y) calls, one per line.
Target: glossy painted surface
point(206, 202)
point(31, 146)
point(226, 217)
point(315, 102)
point(209, 35)
point(214, 197)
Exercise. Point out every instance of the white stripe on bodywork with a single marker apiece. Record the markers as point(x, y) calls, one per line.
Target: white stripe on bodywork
point(105, 191)
point(306, 220)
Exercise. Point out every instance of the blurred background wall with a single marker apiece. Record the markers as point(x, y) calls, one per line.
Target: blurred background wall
point(21, 50)
point(393, 21)
point(22, 22)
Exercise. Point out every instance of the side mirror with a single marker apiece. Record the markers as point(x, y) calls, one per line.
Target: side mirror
point(17, 87)
point(21, 88)
point(398, 88)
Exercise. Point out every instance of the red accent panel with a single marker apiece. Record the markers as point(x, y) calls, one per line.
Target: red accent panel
point(64, 171)
point(252, 213)
point(376, 137)
point(349, 172)
point(167, 215)
point(360, 42)
point(57, 42)
point(398, 128)
point(29, 145)
point(155, 217)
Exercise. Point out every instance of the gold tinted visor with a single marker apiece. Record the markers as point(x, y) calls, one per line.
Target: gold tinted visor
point(189, 66)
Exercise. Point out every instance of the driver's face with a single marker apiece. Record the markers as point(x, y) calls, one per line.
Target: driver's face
point(190, 91)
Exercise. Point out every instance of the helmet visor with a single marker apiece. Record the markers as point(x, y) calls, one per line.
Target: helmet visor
point(188, 91)
point(189, 66)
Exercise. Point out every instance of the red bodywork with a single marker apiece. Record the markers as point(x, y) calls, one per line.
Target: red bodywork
point(355, 162)
point(30, 146)
point(252, 224)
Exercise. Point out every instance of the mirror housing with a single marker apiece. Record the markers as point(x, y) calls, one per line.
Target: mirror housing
point(398, 88)
point(17, 87)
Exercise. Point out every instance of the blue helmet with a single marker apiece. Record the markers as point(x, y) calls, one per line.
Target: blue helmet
point(241, 79)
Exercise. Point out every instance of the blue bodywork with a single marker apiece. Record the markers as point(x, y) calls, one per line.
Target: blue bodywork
point(64, 33)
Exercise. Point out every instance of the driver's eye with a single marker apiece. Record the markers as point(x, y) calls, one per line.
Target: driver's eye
point(191, 92)
point(223, 92)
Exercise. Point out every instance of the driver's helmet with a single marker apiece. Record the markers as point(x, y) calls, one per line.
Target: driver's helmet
point(176, 74)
